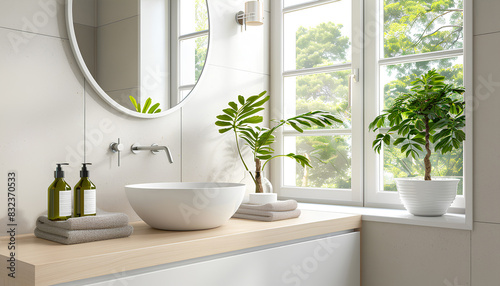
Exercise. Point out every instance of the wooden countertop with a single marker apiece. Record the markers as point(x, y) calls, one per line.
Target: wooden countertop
point(42, 262)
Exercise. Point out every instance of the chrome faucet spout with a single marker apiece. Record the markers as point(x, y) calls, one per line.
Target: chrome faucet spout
point(154, 148)
point(169, 155)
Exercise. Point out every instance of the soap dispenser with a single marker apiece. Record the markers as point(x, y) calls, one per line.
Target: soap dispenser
point(84, 195)
point(59, 196)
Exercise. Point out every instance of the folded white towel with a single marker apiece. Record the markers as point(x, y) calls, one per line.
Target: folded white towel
point(279, 206)
point(101, 220)
point(266, 215)
point(80, 236)
point(102, 226)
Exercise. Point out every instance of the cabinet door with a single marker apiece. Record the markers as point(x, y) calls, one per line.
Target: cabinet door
point(329, 261)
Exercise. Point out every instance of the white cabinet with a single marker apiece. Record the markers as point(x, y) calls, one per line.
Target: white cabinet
point(329, 261)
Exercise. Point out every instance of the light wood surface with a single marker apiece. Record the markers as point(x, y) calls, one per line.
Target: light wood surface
point(42, 262)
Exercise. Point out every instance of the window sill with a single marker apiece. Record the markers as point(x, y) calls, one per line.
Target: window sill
point(453, 221)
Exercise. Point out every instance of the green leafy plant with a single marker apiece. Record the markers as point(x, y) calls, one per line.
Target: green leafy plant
point(241, 118)
point(432, 112)
point(147, 108)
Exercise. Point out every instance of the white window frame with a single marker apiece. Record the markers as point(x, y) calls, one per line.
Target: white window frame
point(351, 196)
point(365, 189)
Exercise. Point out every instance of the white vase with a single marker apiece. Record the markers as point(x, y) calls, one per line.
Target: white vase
point(427, 198)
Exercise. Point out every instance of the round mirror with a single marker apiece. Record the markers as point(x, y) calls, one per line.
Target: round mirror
point(143, 57)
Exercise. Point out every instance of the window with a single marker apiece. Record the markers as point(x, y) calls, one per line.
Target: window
point(319, 56)
point(190, 41)
point(351, 57)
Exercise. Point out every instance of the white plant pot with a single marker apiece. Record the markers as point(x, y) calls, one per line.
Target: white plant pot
point(262, 198)
point(427, 198)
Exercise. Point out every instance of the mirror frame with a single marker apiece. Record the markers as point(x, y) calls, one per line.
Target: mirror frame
point(95, 85)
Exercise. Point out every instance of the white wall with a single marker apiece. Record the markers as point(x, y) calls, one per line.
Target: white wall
point(395, 255)
point(47, 105)
point(117, 49)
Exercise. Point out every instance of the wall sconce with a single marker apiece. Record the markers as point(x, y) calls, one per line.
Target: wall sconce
point(253, 15)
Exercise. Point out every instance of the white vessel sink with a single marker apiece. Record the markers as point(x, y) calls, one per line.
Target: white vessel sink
point(185, 206)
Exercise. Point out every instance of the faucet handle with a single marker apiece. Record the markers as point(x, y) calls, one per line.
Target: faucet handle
point(116, 147)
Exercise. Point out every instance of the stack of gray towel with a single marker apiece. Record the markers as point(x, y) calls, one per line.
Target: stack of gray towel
point(269, 212)
point(102, 226)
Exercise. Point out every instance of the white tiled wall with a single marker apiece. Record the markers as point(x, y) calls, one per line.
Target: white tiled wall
point(485, 254)
point(486, 155)
point(485, 236)
point(117, 46)
point(397, 255)
point(115, 10)
point(42, 119)
point(43, 17)
point(47, 105)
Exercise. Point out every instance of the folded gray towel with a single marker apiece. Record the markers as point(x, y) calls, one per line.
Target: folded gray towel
point(279, 206)
point(266, 215)
point(100, 221)
point(80, 236)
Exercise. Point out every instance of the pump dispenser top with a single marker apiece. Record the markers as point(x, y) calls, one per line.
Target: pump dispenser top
point(59, 173)
point(84, 173)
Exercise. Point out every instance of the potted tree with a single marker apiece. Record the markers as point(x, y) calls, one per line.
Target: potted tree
point(430, 116)
point(241, 118)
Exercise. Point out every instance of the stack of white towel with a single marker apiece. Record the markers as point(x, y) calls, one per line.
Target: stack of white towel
point(102, 226)
point(269, 212)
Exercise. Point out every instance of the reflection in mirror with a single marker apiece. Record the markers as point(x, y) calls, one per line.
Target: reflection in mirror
point(146, 55)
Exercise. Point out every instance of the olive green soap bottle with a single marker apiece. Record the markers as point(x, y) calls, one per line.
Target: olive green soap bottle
point(84, 195)
point(59, 196)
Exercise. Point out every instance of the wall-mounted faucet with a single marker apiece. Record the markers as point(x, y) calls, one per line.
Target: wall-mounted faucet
point(154, 148)
point(116, 147)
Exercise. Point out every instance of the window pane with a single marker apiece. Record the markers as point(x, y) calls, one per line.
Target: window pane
point(396, 165)
point(318, 36)
point(421, 26)
point(322, 91)
point(397, 79)
point(193, 16)
point(192, 59)
point(330, 157)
